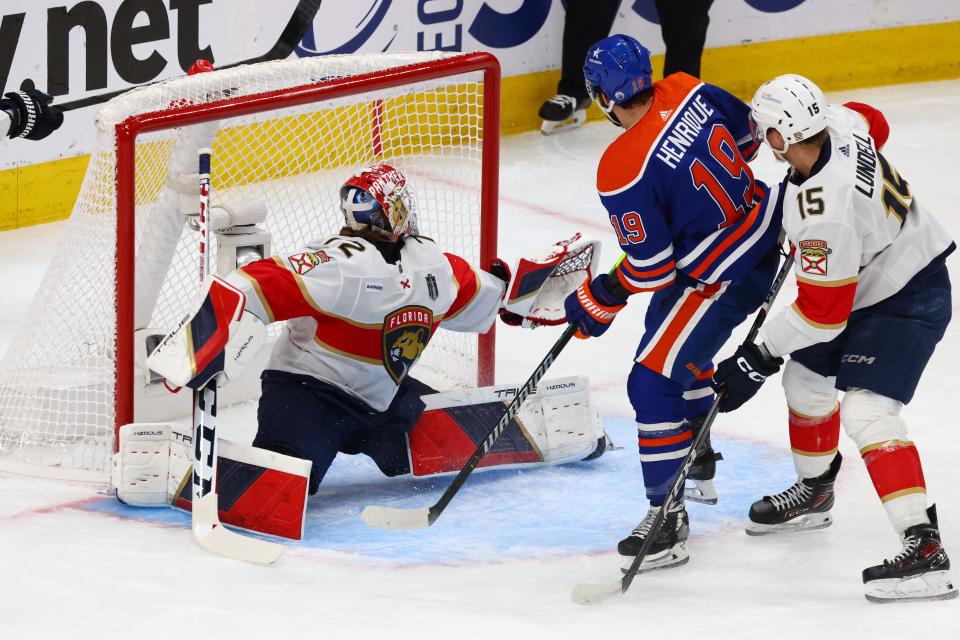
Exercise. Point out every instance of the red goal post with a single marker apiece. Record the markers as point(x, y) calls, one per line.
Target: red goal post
point(467, 113)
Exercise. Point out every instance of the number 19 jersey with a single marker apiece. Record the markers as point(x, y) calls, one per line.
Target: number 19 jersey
point(679, 192)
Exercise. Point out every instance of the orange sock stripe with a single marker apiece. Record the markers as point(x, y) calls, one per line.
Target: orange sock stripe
point(894, 467)
point(814, 435)
point(659, 442)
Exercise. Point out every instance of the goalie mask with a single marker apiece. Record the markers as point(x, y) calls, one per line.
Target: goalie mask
point(379, 197)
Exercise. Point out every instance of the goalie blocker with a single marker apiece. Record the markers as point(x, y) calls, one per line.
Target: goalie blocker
point(266, 492)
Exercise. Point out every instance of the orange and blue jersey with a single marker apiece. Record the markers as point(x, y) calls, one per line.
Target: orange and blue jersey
point(679, 192)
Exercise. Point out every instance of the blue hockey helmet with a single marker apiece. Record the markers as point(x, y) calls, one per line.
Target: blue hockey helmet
point(616, 69)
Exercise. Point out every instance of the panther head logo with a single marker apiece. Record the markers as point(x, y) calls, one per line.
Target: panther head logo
point(408, 346)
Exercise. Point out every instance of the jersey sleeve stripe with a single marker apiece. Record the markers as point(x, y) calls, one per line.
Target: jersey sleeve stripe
point(468, 285)
point(817, 325)
point(642, 263)
point(826, 283)
point(829, 306)
point(654, 285)
point(648, 274)
point(255, 285)
point(278, 289)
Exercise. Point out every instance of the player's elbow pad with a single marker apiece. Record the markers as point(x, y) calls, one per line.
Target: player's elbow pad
point(219, 338)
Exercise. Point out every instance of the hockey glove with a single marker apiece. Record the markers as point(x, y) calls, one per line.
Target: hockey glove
point(501, 270)
point(739, 377)
point(31, 115)
point(592, 307)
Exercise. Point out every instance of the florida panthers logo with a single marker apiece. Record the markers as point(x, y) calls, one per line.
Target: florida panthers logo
point(813, 256)
point(406, 333)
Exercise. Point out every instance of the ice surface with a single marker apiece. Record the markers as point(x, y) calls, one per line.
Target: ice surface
point(503, 558)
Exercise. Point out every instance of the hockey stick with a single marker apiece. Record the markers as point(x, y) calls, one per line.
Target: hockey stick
point(592, 592)
point(208, 531)
point(402, 519)
point(292, 34)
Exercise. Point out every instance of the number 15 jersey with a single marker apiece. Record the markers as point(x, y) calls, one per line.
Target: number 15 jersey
point(859, 232)
point(679, 193)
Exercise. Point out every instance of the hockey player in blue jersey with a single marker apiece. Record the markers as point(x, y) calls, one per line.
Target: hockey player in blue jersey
point(700, 233)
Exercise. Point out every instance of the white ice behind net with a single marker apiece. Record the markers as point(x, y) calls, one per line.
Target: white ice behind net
point(57, 378)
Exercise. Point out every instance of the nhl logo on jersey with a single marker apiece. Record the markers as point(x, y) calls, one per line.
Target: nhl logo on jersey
point(406, 333)
point(813, 257)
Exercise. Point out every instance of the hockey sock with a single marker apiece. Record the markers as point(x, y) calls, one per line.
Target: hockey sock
point(699, 397)
point(814, 441)
point(814, 418)
point(873, 422)
point(663, 446)
point(894, 467)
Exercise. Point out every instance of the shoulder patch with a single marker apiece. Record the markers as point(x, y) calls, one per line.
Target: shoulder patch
point(303, 262)
point(813, 256)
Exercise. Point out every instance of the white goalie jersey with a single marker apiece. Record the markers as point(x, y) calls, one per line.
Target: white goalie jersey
point(358, 322)
point(859, 232)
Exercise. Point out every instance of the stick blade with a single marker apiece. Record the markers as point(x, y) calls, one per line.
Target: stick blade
point(210, 534)
point(594, 592)
point(396, 519)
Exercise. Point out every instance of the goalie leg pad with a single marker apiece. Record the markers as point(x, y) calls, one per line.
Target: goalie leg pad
point(556, 424)
point(259, 490)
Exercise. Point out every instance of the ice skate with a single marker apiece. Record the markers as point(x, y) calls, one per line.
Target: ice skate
point(668, 548)
point(803, 507)
point(563, 112)
point(699, 486)
point(921, 571)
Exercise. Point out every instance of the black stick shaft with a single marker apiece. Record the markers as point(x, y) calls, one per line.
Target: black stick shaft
point(292, 34)
point(701, 436)
point(528, 387)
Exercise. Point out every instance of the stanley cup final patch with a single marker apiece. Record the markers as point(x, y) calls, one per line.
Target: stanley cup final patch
point(406, 333)
point(813, 257)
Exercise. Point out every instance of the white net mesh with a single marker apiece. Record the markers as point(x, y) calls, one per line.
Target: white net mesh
point(57, 395)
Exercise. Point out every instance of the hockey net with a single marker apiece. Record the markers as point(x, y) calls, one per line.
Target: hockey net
point(286, 134)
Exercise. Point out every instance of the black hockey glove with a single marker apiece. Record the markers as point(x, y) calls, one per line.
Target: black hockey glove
point(739, 377)
point(501, 270)
point(31, 115)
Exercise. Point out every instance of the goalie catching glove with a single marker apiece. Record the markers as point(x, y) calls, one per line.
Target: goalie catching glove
point(219, 339)
point(537, 289)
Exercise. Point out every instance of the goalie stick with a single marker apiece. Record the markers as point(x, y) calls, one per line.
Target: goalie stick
point(592, 592)
point(208, 531)
point(293, 32)
point(419, 518)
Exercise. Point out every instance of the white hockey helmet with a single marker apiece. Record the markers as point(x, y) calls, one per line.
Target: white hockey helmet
point(791, 105)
